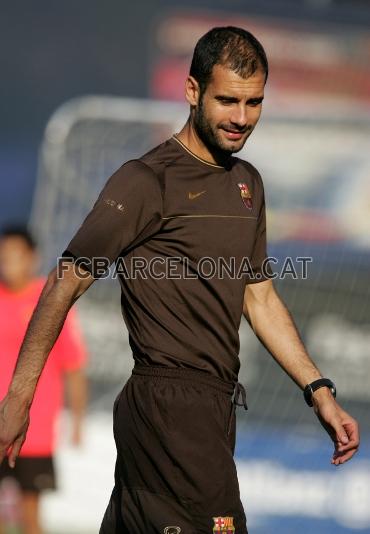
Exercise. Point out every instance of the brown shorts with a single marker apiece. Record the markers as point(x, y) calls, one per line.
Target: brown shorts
point(33, 474)
point(175, 473)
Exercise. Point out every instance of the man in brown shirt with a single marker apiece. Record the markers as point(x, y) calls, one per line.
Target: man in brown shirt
point(185, 226)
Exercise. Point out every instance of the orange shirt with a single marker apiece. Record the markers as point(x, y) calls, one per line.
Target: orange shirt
point(68, 354)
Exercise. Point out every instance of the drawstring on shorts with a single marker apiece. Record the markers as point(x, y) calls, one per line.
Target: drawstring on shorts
point(239, 391)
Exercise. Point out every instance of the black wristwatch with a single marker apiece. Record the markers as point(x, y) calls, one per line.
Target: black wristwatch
point(316, 384)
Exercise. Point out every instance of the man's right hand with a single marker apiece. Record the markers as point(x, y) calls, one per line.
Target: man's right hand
point(14, 421)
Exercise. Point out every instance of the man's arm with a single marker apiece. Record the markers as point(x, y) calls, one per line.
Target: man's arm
point(274, 326)
point(77, 399)
point(120, 219)
point(57, 297)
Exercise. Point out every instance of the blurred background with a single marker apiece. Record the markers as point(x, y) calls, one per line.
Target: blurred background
point(90, 85)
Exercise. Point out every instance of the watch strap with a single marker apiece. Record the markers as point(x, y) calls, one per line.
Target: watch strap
point(315, 385)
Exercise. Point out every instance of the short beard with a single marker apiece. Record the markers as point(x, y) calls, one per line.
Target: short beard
point(205, 131)
point(207, 134)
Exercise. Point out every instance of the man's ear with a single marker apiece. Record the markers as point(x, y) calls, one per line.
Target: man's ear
point(192, 91)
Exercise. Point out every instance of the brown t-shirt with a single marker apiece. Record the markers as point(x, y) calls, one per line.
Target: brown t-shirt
point(186, 236)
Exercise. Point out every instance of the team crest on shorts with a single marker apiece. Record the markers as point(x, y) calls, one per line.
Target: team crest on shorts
point(224, 525)
point(246, 195)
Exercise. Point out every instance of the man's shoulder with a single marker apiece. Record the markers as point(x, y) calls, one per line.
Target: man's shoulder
point(134, 173)
point(160, 156)
point(155, 162)
point(246, 168)
point(149, 164)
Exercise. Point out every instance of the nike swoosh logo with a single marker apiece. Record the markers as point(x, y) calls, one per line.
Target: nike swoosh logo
point(195, 195)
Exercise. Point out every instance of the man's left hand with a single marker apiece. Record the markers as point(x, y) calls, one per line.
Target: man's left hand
point(340, 426)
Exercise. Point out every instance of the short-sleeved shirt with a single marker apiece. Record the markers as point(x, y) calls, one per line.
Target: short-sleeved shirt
point(68, 354)
point(181, 217)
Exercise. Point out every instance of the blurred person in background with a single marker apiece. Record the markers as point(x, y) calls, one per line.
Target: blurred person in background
point(174, 421)
point(20, 290)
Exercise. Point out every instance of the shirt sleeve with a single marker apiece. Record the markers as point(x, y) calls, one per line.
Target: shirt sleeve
point(261, 269)
point(127, 211)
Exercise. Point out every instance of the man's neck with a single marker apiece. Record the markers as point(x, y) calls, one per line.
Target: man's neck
point(192, 141)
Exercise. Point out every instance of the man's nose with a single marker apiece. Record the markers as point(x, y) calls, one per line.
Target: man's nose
point(239, 116)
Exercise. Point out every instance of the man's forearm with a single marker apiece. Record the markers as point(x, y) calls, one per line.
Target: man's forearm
point(274, 326)
point(45, 325)
point(47, 320)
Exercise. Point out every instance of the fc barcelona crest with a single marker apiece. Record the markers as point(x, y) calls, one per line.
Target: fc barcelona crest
point(224, 525)
point(246, 195)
